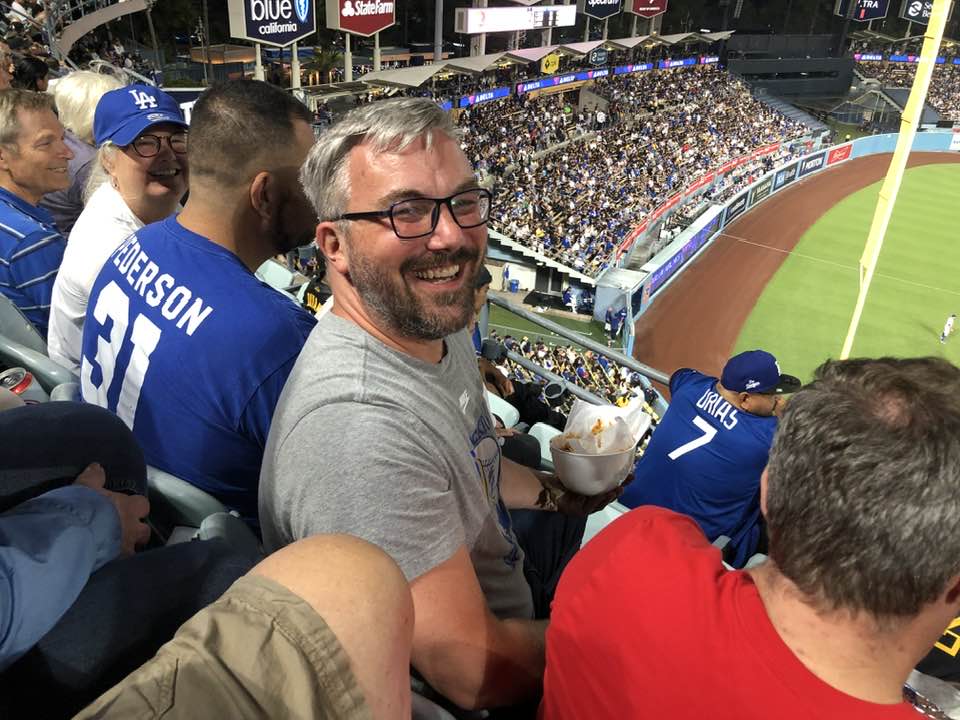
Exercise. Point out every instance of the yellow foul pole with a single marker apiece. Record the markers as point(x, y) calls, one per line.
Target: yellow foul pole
point(909, 123)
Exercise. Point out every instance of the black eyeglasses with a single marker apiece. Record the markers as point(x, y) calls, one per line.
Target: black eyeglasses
point(418, 217)
point(147, 146)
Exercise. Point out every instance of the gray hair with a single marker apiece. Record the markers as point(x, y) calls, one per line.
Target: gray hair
point(77, 96)
point(389, 126)
point(863, 488)
point(98, 170)
point(13, 100)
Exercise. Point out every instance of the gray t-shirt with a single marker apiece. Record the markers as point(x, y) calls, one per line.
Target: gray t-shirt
point(374, 443)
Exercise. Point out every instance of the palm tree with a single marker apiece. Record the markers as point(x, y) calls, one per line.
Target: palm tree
point(324, 61)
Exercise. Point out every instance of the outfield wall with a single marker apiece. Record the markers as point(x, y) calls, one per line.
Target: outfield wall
point(669, 263)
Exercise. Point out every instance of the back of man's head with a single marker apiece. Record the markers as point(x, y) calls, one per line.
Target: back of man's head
point(14, 101)
point(863, 486)
point(239, 128)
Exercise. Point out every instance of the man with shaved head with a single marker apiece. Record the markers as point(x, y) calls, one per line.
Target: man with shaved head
point(181, 339)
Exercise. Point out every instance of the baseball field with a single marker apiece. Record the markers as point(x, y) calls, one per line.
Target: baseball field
point(784, 277)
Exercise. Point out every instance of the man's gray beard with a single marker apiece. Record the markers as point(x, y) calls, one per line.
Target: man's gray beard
point(401, 310)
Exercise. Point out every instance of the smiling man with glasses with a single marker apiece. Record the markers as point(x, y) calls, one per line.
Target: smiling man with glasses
point(383, 430)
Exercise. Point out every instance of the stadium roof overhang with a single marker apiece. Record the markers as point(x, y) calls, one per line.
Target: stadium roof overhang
point(627, 43)
point(480, 63)
point(581, 48)
point(409, 77)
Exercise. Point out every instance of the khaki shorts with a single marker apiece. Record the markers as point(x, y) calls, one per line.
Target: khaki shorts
point(258, 652)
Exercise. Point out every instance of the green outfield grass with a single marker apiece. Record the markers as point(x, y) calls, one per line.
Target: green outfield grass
point(803, 314)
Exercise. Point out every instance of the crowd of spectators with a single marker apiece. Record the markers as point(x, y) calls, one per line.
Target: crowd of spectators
point(943, 95)
point(592, 371)
point(658, 132)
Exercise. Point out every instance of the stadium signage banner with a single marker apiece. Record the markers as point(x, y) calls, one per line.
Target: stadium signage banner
point(785, 176)
point(626, 69)
point(914, 59)
point(360, 17)
point(667, 64)
point(699, 184)
point(761, 190)
point(919, 11)
point(561, 80)
point(955, 140)
point(647, 8)
point(665, 207)
point(863, 10)
point(839, 154)
point(736, 208)
point(680, 258)
point(486, 96)
point(272, 22)
point(811, 164)
point(472, 21)
point(709, 59)
point(868, 57)
point(599, 9)
point(598, 56)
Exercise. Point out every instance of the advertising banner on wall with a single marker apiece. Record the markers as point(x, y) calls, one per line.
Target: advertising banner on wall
point(558, 80)
point(863, 10)
point(761, 190)
point(485, 96)
point(811, 164)
point(646, 8)
point(360, 17)
point(599, 9)
point(272, 22)
point(955, 140)
point(919, 11)
point(736, 208)
point(839, 154)
point(784, 177)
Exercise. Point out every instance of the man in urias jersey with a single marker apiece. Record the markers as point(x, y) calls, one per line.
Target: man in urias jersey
point(706, 456)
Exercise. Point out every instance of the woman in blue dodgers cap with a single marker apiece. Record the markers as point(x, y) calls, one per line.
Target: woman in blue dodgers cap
point(139, 177)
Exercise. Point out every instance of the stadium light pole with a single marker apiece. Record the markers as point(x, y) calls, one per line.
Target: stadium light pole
point(909, 122)
point(438, 32)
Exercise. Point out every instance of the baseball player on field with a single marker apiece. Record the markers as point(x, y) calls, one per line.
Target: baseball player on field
point(947, 328)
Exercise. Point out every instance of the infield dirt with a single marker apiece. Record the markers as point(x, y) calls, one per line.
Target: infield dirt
point(696, 320)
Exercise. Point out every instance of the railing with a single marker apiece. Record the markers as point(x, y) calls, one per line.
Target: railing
point(646, 372)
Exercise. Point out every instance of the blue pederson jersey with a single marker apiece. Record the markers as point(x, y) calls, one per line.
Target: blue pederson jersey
point(191, 350)
point(705, 460)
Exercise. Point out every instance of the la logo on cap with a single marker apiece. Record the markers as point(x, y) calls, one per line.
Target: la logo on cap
point(143, 100)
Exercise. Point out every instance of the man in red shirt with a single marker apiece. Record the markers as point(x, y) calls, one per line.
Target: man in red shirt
point(861, 496)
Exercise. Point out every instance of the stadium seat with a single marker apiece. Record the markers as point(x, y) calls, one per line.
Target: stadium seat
point(507, 413)
point(600, 519)
point(15, 327)
point(233, 530)
point(180, 512)
point(544, 433)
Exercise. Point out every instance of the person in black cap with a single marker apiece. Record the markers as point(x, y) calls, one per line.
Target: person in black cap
point(709, 450)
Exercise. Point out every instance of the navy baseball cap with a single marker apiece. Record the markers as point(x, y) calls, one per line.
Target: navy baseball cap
point(757, 371)
point(124, 113)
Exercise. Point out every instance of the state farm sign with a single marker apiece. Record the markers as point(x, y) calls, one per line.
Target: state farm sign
point(647, 8)
point(360, 17)
point(272, 22)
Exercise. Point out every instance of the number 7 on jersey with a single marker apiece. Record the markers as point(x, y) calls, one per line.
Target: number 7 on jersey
point(708, 432)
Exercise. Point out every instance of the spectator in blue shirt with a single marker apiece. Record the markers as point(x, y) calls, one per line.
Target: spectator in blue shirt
point(77, 608)
point(33, 162)
point(200, 349)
